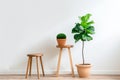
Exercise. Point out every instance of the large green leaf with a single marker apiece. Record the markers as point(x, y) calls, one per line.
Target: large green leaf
point(87, 16)
point(86, 37)
point(77, 28)
point(90, 30)
point(84, 24)
point(89, 38)
point(89, 23)
point(82, 18)
point(85, 19)
point(77, 37)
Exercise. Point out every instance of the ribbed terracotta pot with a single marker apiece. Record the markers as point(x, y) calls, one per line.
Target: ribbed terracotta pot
point(61, 42)
point(83, 70)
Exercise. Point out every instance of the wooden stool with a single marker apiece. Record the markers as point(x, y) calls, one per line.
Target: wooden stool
point(59, 59)
point(29, 65)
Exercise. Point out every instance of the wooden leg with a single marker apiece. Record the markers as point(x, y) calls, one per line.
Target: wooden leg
point(37, 67)
point(59, 59)
point(71, 62)
point(42, 66)
point(28, 65)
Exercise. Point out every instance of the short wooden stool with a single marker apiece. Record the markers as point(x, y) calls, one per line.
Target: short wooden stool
point(29, 65)
point(59, 59)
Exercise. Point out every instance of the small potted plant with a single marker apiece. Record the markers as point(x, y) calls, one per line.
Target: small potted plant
point(82, 32)
point(61, 39)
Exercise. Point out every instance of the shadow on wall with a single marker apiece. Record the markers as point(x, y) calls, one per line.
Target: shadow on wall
point(49, 50)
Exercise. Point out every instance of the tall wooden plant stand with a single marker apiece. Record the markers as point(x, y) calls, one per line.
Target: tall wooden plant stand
point(59, 58)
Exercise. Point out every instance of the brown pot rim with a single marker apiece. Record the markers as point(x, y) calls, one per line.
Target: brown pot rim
point(61, 39)
point(83, 65)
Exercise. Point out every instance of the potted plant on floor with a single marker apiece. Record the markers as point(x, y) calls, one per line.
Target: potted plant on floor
point(61, 39)
point(82, 32)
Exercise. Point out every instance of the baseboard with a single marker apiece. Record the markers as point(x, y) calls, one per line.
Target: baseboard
point(93, 72)
point(106, 72)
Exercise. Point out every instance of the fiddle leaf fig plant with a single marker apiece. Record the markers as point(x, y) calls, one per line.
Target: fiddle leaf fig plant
point(83, 30)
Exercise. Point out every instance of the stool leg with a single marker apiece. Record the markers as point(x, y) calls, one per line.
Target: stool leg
point(42, 66)
point(37, 67)
point(71, 62)
point(28, 65)
point(59, 59)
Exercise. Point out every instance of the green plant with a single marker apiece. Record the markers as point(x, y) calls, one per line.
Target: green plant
point(61, 36)
point(83, 31)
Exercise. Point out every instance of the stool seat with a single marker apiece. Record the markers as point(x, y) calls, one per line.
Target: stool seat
point(65, 46)
point(35, 54)
point(29, 65)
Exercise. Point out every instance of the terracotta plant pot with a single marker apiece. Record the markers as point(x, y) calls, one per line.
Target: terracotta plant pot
point(83, 70)
point(61, 42)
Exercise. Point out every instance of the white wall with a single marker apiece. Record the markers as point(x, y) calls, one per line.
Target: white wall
point(28, 26)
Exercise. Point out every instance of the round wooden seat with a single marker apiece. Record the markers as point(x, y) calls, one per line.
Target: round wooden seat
point(35, 54)
point(65, 46)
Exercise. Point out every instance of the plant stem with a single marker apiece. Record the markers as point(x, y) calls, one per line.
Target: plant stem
point(83, 52)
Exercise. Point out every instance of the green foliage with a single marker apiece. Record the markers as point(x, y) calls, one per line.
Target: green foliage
point(83, 29)
point(61, 36)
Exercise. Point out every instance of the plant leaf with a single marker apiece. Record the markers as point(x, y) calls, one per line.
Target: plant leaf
point(77, 37)
point(90, 30)
point(89, 38)
point(90, 22)
point(77, 28)
point(84, 20)
point(86, 37)
point(87, 17)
